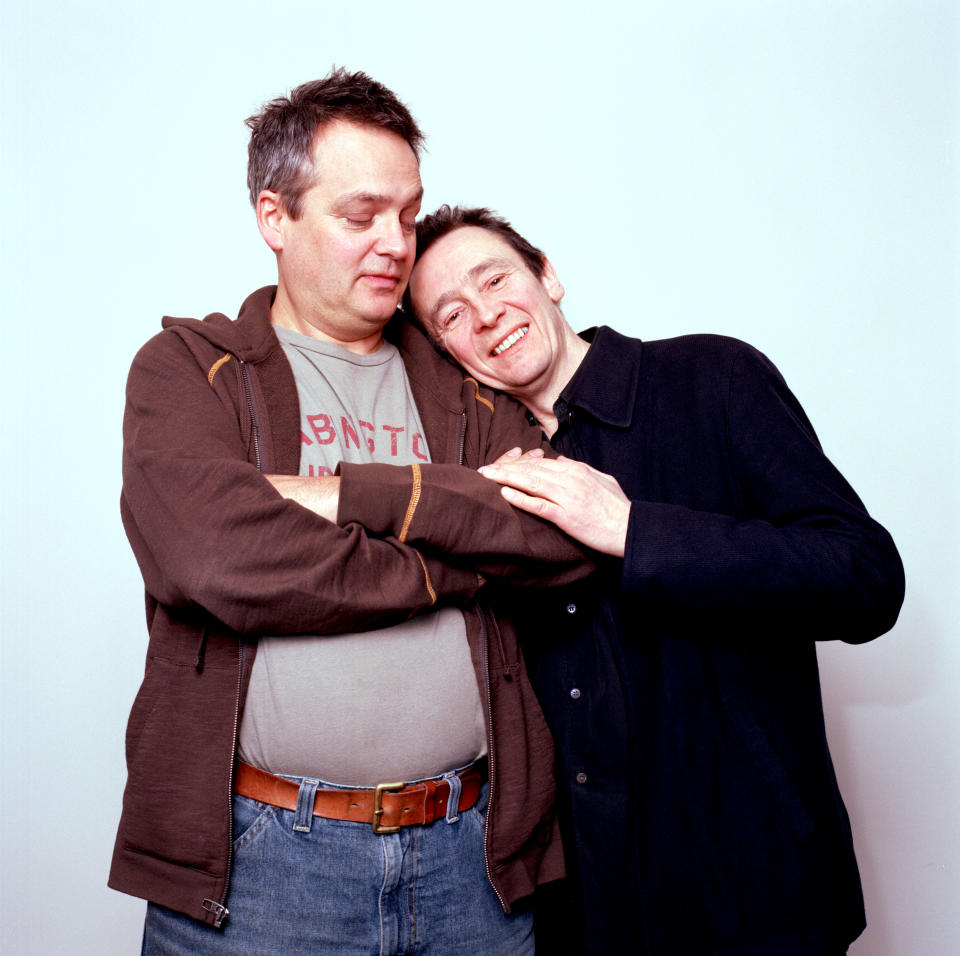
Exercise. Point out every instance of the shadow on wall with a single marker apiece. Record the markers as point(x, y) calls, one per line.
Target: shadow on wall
point(867, 692)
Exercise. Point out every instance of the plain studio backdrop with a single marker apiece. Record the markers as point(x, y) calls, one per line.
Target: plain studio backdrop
point(785, 173)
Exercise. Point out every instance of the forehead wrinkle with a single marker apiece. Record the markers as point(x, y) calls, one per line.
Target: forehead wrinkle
point(469, 277)
point(362, 195)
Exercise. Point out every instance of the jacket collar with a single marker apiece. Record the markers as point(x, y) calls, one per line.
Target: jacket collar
point(606, 382)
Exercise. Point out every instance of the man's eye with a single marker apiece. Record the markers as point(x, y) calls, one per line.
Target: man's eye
point(496, 281)
point(408, 227)
point(359, 223)
point(451, 320)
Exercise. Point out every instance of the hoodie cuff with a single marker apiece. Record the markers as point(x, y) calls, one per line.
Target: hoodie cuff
point(379, 497)
point(448, 584)
point(382, 499)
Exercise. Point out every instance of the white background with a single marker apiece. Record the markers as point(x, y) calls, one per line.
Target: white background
point(783, 172)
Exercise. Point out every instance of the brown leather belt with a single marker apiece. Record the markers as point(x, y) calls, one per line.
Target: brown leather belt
point(387, 807)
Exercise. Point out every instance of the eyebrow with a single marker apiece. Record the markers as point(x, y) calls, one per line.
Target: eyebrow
point(362, 196)
point(472, 275)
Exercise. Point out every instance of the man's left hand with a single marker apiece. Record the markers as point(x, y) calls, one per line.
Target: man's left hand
point(587, 504)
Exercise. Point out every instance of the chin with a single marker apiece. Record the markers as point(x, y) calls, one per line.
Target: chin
point(381, 313)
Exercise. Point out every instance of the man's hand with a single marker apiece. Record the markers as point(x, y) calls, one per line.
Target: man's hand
point(587, 504)
point(320, 495)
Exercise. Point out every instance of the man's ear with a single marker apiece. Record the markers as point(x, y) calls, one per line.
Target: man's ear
point(270, 218)
point(550, 282)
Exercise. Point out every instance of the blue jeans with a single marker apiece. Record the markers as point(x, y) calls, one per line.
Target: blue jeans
point(339, 888)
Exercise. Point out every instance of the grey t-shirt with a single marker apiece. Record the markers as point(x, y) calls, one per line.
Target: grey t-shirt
point(399, 703)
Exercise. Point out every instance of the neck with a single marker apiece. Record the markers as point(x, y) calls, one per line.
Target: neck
point(284, 312)
point(541, 396)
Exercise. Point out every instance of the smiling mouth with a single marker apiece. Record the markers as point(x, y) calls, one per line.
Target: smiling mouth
point(510, 340)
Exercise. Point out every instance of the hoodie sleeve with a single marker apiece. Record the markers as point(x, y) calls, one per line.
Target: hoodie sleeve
point(209, 531)
point(452, 512)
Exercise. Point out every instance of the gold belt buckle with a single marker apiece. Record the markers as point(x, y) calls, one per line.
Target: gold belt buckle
point(378, 806)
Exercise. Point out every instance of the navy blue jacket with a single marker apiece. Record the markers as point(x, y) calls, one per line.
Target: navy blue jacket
point(701, 807)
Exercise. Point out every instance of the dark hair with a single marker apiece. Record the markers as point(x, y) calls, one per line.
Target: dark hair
point(437, 224)
point(282, 134)
point(447, 219)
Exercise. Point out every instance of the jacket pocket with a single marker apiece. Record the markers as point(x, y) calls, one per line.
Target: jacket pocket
point(177, 798)
point(768, 765)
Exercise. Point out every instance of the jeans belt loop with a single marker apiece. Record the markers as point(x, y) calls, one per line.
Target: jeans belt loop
point(453, 800)
point(305, 798)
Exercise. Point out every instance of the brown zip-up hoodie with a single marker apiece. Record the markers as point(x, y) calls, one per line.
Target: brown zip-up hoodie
point(211, 405)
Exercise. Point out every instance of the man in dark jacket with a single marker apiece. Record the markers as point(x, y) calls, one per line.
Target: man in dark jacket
point(335, 748)
point(699, 805)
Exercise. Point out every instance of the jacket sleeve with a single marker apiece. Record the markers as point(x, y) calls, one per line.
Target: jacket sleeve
point(209, 531)
point(802, 552)
point(453, 512)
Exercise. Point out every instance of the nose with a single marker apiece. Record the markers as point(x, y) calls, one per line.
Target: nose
point(488, 312)
point(393, 240)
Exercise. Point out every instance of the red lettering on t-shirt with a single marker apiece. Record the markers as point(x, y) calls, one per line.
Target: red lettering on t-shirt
point(417, 439)
point(318, 471)
point(393, 438)
point(369, 426)
point(322, 428)
point(304, 439)
point(348, 432)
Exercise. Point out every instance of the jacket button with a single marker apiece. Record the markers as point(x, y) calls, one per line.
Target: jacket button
point(581, 777)
point(575, 693)
point(571, 609)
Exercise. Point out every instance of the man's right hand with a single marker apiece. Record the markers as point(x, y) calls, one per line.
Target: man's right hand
point(587, 504)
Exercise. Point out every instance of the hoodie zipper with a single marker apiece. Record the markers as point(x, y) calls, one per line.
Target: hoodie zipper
point(485, 668)
point(491, 758)
point(252, 409)
point(220, 910)
point(233, 759)
point(461, 436)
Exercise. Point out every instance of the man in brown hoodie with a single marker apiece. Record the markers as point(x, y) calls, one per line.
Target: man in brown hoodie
point(335, 747)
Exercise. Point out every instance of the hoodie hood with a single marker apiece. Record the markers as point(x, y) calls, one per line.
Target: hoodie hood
point(250, 337)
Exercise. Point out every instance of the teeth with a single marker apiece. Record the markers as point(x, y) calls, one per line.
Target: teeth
point(511, 339)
